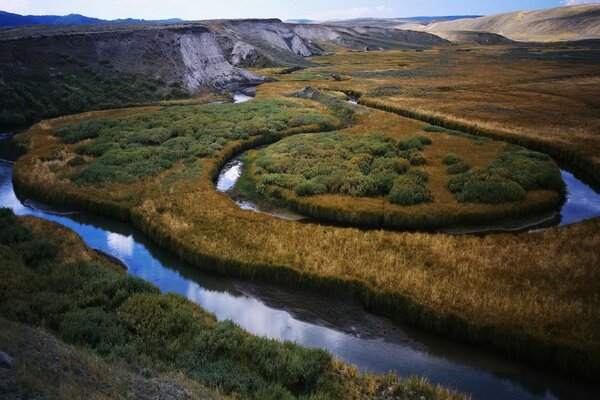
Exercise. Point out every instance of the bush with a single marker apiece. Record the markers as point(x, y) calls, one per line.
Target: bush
point(39, 251)
point(164, 324)
point(530, 169)
point(76, 161)
point(451, 158)
point(407, 191)
point(12, 231)
point(508, 178)
point(458, 168)
point(357, 165)
point(485, 187)
point(418, 175)
point(93, 327)
point(309, 188)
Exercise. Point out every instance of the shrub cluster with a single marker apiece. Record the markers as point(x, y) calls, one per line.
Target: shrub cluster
point(365, 165)
point(138, 146)
point(508, 178)
point(455, 163)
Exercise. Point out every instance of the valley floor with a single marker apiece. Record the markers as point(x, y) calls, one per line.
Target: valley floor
point(534, 295)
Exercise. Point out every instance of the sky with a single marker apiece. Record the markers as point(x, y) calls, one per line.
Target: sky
point(284, 9)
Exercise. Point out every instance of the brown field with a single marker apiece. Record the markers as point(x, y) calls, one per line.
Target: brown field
point(534, 295)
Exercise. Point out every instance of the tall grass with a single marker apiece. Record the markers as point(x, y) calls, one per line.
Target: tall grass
point(88, 302)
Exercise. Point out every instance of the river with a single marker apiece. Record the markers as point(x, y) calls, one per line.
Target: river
point(343, 328)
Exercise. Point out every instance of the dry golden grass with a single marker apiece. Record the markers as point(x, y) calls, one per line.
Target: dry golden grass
point(533, 295)
point(549, 102)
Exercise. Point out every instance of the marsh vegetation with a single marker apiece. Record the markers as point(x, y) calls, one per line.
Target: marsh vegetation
point(50, 279)
point(540, 289)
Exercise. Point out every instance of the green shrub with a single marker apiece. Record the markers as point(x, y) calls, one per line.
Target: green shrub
point(407, 191)
point(508, 178)
point(76, 161)
point(309, 188)
point(418, 175)
point(39, 251)
point(487, 187)
point(452, 158)
point(530, 169)
point(357, 165)
point(12, 231)
point(93, 327)
point(458, 168)
point(411, 143)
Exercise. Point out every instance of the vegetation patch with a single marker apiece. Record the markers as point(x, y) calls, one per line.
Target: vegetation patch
point(83, 86)
point(133, 147)
point(128, 321)
point(455, 163)
point(366, 165)
point(476, 139)
point(508, 178)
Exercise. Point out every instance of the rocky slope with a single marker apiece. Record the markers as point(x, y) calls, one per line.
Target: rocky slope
point(49, 70)
point(197, 54)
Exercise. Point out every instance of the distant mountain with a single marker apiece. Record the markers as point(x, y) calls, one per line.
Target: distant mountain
point(398, 23)
point(9, 20)
point(553, 24)
point(71, 19)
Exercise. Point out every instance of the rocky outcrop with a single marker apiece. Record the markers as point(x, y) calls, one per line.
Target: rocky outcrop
point(204, 63)
point(194, 55)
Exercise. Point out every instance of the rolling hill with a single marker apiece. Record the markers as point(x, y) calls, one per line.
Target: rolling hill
point(9, 20)
point(554, 24)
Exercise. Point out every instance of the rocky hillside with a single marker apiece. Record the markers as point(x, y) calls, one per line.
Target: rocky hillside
point(555, 24)
point(48, 70)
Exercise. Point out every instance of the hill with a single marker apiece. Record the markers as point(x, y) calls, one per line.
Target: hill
point(398, 23)
point(49, 70)
point(554, 24)
point(9, 20)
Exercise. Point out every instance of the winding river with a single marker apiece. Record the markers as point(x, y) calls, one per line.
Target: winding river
point(582, 202)
point(342, 327)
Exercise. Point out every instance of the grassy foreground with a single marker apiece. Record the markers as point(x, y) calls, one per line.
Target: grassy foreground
point(50, 279)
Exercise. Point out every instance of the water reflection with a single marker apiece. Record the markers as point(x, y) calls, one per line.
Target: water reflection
point(582, 203)
point(341, 327)
point(120, 245)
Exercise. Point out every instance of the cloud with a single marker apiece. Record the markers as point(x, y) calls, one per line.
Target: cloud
point(356, 12)
point(578, 2)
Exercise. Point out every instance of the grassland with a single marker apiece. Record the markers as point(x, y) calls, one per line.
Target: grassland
point(534, 296)
point(50, 279)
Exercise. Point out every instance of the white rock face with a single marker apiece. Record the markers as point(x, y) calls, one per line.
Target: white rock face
point(241, 51)
point(205, 64)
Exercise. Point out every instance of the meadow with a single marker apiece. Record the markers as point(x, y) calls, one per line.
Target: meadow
point(52, 280)
point(533, 295)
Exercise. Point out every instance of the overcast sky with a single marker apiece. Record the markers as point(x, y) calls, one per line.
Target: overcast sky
point(284, 9)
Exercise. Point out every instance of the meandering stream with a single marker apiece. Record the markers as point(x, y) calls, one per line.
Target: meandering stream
point(582, 202)
point(342, 327)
